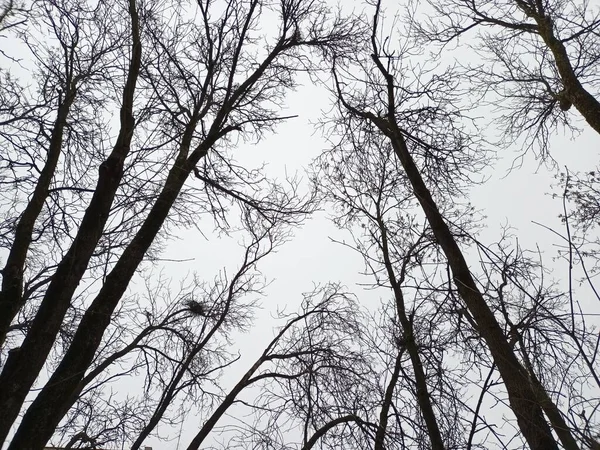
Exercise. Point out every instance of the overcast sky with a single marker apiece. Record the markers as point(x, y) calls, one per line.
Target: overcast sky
point(518, 198)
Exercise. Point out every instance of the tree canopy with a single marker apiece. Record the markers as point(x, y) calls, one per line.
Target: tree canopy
point(129, 129)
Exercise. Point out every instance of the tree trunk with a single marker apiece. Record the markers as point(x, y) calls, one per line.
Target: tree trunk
point(522, 398)
point(328, 426)
point(586, 103)
point(423, 397)
point(224, 405)
point(24, 365)
point(57, 396)
point(11, 295)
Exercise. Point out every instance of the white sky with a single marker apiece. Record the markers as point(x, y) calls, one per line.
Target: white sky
point(517, 198)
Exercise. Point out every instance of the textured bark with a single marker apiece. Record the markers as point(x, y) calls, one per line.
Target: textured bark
point(24, 365)
point(586, 103)
point(523, 399)
point(55, 399)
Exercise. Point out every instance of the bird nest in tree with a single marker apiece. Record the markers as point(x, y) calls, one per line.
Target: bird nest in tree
point(196, 308)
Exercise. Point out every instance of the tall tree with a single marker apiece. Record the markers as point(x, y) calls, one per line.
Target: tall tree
point(368, 189)
point(181, 105)
point(381, 106)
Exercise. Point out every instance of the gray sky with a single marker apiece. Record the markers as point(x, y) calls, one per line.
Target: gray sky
point(518, 198)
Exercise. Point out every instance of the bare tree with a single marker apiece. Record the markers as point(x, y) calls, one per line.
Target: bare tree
point(31, 135)
point(126, 134)
point(317, 343)
point(427, 399)
point(180, 350)
point(220, 310)
point(182, 104)
point(539, 58)
point(548, 328)
point(369, 194)
point(377, 106)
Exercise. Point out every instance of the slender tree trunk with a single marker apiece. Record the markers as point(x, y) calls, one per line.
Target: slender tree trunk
point(387, 402)
point(11, 295)
point(423, 396)
point(167, 397)
point(24, 365)
point(328, 426)
point(172, 389)
point(522, 398)
point(557, 420)
point(225, 405)
point(244, 382)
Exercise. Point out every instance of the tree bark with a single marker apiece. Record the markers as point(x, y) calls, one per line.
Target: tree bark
point(574, 92)
point(387, 402)
point(586, 103)
point(55, 399)
point(423, 396)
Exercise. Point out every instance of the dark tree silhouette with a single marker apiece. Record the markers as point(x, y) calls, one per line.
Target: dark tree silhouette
point(181, 104)
point(540, 57)
point(377, 104)
point(120, 123)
